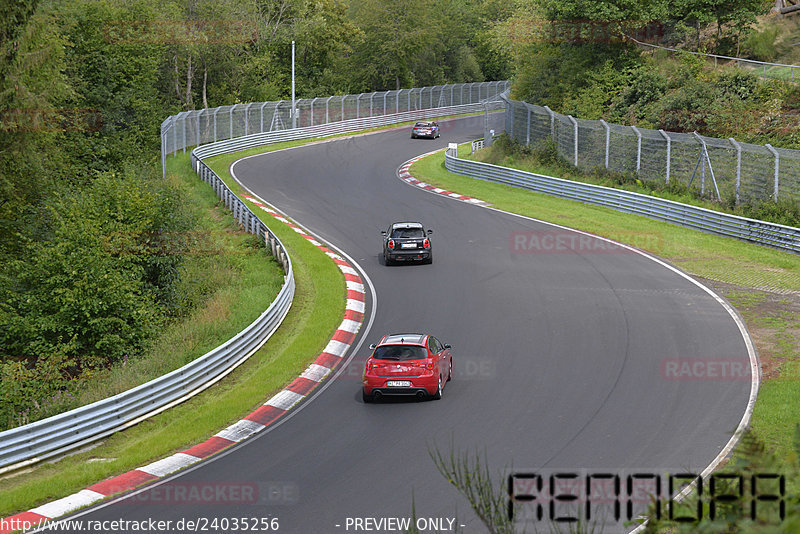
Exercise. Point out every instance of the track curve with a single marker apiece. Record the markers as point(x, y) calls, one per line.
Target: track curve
point(559, 357)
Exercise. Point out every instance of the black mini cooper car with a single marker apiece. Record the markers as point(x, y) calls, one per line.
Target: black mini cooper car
point(407, 241)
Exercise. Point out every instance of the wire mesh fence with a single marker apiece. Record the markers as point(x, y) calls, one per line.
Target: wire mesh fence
point(764, 69)
point(715, 168)
point(197, 127)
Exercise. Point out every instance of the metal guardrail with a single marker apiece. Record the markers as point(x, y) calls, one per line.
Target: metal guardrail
point(722, 168)
point(75, 429)
point(198, 127)
point(326, 130)
point(764, 233)
point(70, 431)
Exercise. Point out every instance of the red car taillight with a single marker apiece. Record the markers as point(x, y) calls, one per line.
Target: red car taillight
point(426, 243)
point(390, 244)
point(429, 365)
point(369, 365)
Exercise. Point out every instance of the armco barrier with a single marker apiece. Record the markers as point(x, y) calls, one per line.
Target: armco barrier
point(326, 130)
point(764, 233)
point(198, 127)
point(73, 430)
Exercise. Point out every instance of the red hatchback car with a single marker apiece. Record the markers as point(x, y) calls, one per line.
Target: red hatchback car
point(407, 364)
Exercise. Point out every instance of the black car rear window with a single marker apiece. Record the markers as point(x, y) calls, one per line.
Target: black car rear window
point(400, 352)
point(407, 233)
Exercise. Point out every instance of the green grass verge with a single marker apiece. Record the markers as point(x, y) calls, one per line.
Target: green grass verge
point(316, 312)
point(741, 269)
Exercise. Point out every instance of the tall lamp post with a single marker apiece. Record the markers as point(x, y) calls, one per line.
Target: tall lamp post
point(294, 109)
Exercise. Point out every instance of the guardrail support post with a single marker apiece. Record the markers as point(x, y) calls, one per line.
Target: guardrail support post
point(738, 148)
point(638, 148)
point(607, 128)
point(777, 170)
point(575, 133)
point(669, 152)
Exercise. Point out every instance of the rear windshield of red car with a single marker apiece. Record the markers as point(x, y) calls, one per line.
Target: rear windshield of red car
point(400, 352)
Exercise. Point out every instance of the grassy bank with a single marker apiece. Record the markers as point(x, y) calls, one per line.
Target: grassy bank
point(243, 291)
point(762, 283)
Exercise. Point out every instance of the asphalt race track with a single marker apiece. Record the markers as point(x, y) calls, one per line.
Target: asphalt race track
point(562, 358)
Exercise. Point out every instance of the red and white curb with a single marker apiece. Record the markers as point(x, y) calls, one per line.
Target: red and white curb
point(404, 174)
point(251, 424)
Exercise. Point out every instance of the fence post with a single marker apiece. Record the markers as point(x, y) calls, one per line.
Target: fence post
point(461, 95)
point(184, 131)
point(247, 118)
point(638, 148)
point(738, 148)
point(327, 110)
point(231, 120)
point(163, 154)
point(397, 101)
point(777, 170)
point(198, 126)
point(528, 133)
point(452, 86)
point(384, 102)
point(358, 102)
point(608, 139)
point(216, 110)
point(575, 133)
point(669, 151)
point(552, 122)
point(261, 123)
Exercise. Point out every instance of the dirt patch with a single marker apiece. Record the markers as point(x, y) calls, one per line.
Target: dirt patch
point(773, 320)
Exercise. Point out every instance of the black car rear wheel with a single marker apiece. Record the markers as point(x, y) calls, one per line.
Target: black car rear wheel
point(387, 261)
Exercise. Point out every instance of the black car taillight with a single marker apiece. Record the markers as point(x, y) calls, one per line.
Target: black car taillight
point(390, 244)
point(426, 243)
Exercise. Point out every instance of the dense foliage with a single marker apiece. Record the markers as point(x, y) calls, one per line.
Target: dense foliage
point(92, 240)
point(585, 66)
